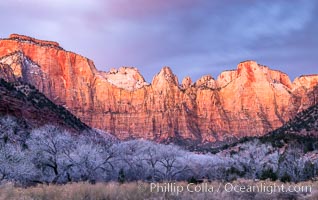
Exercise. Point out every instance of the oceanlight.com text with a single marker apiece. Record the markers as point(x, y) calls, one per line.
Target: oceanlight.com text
point(263, 187)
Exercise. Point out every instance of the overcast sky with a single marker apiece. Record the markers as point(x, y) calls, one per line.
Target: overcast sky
point(193, 37)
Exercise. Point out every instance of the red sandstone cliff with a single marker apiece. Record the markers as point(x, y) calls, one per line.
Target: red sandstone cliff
point(250, 100)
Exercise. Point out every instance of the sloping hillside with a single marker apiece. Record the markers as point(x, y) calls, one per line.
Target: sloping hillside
point(26, 103)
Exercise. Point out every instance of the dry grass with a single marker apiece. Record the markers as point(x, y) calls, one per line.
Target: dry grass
point(139, 191)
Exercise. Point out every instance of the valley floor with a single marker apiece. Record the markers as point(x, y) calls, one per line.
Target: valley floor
point(240, 189)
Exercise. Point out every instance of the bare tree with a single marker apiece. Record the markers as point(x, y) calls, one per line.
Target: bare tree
point(50, 149)
point(171, 162)
point(92, 161)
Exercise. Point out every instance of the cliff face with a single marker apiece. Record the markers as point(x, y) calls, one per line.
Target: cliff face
point(251, 100)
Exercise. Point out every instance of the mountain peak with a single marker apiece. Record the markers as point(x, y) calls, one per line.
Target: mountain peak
point(128, 78)
point(206, 81)
point(165, 75)
point(186, 82)
point(247, 67)
point(166, 70)
point(24, 38)
point(251, 71)
point(307, 81)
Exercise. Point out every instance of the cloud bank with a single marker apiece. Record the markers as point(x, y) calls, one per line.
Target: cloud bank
point(193, 37)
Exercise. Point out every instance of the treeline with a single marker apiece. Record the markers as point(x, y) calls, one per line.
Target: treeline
point(52, 155)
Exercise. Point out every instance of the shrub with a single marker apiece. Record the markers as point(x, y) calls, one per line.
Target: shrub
point(268, 174)
point(285, 178)
point(308, 147)
point(193, 180)
point(121, 176)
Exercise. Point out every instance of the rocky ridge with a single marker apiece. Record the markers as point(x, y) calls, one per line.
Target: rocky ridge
point(127, 78)
point(249, 101)
point(25, 103)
